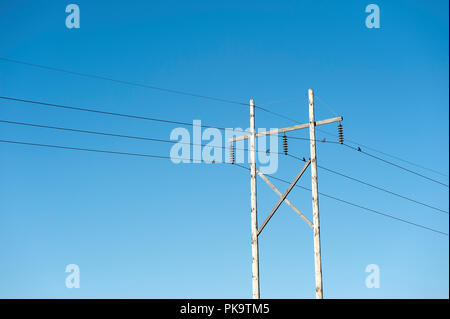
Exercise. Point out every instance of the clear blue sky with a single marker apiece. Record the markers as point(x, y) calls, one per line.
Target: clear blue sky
point(147, 228)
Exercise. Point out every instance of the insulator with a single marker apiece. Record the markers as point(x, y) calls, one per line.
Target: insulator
point(231, 154)
point(285, 144)
point(341, 133)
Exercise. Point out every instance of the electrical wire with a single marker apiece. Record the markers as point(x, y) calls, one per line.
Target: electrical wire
point(374, 149)
point(207, 126)
point(356, 205)
point(104, 112)
point(238, 165)
point(102, 151)
point(130, 83)
point(88, 75)
point(126, 136)
point(396, 165)
point(75, 108)
point(376, 187)
point(98, 77)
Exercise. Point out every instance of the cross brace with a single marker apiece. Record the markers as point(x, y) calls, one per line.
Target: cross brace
point(287, 201)
point(283, 197)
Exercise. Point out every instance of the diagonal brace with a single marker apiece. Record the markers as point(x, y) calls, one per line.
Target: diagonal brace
point(283, 197)
point(287, 201)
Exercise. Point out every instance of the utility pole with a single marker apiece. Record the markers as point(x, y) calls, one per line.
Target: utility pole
point(254, 215)
point(315, 197)
point(315, 226)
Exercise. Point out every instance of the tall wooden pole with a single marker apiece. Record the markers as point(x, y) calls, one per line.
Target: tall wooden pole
point(254, 217)
point(315, 198)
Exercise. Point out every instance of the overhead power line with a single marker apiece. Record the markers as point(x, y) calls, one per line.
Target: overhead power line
point(100, 151)
point(195, 95)
point(126, 115)
point(192, 124)
point(210, 146)
point(238, 165)
point(131, 83)
point(99, 77)
point(398, 166)
point(88, 75)
point(376, 150)
point(402, 160)
point(126, 136)
point(376, 187)
point(387, 154)
point(395, 165)
point(103, 112)
point(356, 205)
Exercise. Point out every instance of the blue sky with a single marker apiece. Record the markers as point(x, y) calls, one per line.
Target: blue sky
point(147, 228)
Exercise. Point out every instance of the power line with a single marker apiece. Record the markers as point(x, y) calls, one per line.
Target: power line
point(275, 113)
point(384, 214)
point(211, 146)
point(387, 154)
point(376, 150)
point(104, 112)
point(238, 165)
point(375, 157)
point(99, 77)
point(286, 100)
point(326, 105)
point(376, 187)
point(191, 124)
point(403, 160)
point(88, 75)
point(125, 136)
point(396, 165)
point(384, 153)
point(194, 95)
point(126, 115)
point(167, 90)
point(356, 205)
point(101, 151)
point(308, 139)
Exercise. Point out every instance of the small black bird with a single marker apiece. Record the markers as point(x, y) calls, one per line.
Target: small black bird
point(303, 159)
point(359, 149)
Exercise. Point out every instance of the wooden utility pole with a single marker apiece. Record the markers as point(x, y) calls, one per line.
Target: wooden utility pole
point(283, 196)
point(254, 215)
point(315, 197)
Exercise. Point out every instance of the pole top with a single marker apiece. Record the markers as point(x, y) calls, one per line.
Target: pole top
point(311, 96)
